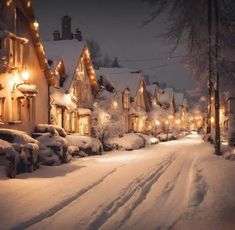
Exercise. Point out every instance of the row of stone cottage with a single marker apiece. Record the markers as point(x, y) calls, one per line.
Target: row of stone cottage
point(55, 82)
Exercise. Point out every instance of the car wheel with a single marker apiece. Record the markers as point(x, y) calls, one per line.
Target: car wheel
point(11, 169)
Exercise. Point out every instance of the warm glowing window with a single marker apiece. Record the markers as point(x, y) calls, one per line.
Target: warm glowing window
point(25, 109)
point(138, 99)
point(84, 92)
point(81, 67)
point(59, 117)
point(2, 100)
point(16, 49)
point(126, 100)
point(84, 125)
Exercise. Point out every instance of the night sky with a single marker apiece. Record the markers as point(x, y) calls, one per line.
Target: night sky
point(116, 26)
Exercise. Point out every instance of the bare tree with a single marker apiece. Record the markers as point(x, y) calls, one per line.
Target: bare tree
point(203, 26)
point(95, 51)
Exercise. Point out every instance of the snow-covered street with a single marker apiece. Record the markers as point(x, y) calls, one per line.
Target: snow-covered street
point(173, 185)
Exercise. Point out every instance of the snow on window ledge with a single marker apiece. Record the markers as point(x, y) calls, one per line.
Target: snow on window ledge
point(14, 122)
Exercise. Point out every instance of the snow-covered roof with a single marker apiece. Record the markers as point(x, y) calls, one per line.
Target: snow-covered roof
point(121, 79)
point(84, 111)
point(179, 99)
point(151, 89)
point(69, 51)
point(165, 96)
point(60, 98)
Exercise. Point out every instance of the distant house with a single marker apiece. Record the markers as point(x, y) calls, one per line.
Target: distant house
point(130, 86)
point(153, 91)
point(181, 105)
point(24, 76)
point(166, 99)
point(229, 120)
point(72, 95)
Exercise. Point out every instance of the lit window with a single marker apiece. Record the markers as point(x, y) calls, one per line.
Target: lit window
point(126, 100)
point(2, 100)
point(84, 125)
point(16, 49)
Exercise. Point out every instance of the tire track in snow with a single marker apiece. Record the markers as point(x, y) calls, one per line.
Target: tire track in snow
point(141, 186)
point(58, 207)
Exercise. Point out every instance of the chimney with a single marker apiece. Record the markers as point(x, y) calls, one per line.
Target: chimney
point(56, 35)
point(78, 35)
point(66, 28)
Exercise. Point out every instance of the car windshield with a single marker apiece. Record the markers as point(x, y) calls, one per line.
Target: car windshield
point(7, 137)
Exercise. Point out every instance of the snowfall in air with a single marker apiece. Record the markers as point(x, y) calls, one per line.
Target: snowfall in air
point(174, 185)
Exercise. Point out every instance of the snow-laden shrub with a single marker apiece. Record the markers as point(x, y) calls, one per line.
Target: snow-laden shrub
point(108, 117)
point(129, 141)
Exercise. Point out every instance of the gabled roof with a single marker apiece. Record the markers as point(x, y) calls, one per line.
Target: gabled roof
point(70, 51)
point(121, 79)
point(25, 7)
point(151, 89)
point(166, 96)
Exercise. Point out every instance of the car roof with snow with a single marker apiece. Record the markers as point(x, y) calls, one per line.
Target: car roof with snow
point(121, 79)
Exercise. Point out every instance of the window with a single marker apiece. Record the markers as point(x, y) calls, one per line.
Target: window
point(2, 100)
point(84, 125)
point(1, 44)
point(19, 109)
point(81, 67)
point(138, 99)
point(59, 117)
point(126, 100)
point(15, 52)
point(84, 92)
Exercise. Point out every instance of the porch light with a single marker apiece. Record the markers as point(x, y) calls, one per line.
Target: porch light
point(25, 75)
point(115, 104)
point(212, 120)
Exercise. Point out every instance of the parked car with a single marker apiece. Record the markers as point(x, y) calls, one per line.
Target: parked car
point(49, 137)
point(9, 158)
point(26, 146)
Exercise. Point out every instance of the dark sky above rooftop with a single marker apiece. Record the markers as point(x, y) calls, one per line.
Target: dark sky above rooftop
point(116, 26)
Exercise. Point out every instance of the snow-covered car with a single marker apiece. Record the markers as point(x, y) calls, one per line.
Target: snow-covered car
point(59, 146)
point(26, 146)
point(45, 128)
point(9, 158)
point(87, 145)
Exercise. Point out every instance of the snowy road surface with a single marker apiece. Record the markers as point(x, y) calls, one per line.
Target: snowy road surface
point(173, 185)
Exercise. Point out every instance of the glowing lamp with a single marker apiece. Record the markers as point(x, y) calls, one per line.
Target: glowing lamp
point(157, 123)
point(28, 3)
point(25, 75)
point(166, 122)
point(115, 104)
point(35, 25)
point(212, 120)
